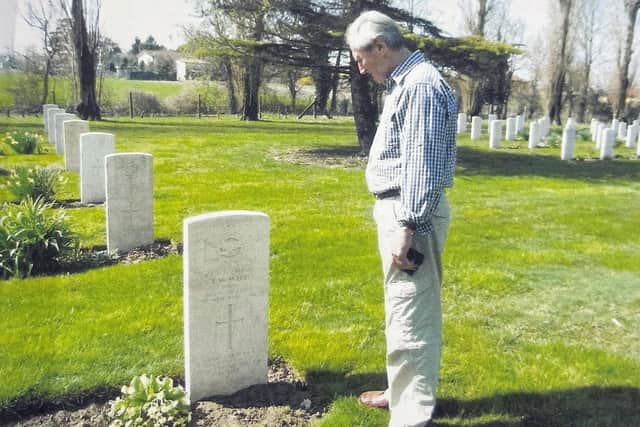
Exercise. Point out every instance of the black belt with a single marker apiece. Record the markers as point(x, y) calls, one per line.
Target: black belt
point(387, 194)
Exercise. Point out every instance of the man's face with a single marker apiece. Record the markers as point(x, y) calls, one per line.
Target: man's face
point(374, 61)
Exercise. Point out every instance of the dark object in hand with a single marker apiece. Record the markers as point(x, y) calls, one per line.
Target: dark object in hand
point(416, 258)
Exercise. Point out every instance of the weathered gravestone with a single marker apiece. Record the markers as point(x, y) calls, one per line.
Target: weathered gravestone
point(51, 124)
point(511, 129)
point(94, 146)
point(129, 200)
point(72, 131)
point(622, 130)
point(606, 145)
point(534, 134)
point(600, 128)
point(632, 136)
point(226, 289)
point(59, 121)
point(45, 116)
point(476, 127)
point(462, 123)
point(495, 135)
point(568, 142)
point(519, 123)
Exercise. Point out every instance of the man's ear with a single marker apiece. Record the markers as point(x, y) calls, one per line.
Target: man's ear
point(379, 46)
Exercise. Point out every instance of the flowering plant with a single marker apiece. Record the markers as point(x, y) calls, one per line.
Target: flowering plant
point(150, 401)
point(35, 183)
point(24, 142)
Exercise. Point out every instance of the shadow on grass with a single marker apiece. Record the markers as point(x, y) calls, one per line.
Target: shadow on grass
point(473, 162)
point(592, 406)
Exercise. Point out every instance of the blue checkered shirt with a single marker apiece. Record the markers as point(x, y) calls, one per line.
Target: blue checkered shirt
point(414, 149)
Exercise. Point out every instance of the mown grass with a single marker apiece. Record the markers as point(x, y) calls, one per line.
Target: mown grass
point(541, 294)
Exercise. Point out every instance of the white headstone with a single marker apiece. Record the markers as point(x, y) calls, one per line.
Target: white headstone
point(594, 122)
point(606, 147)
point(614, 125)
point(59, 121)
point(568, 143)
point(600, 127)
point(491, 118)
point(51, 123)
point(571, 122)
point(495, 134)
point(476, 127)
point(519, 123)
point(534, 134)
point(45, 117)
point(226, 291)
point(632, 136)
point(94, 146)
point(129, 200)
point(511, 129)
point(622, 130)
point(462, 122)
point(72, 131)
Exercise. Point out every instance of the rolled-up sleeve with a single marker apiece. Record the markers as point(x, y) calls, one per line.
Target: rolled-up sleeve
point(424, 113)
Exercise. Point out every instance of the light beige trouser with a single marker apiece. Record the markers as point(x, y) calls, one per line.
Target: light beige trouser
point(413, 317)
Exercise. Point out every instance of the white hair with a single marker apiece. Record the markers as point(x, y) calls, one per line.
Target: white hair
point(373, 25)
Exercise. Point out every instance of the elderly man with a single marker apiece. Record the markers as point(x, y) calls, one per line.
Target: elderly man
point(411, 163)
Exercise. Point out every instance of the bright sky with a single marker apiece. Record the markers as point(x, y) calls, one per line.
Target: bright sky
point(123, 20)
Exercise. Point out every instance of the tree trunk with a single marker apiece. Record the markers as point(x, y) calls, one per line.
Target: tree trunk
point(232, 103)
point(45, 80)
point(322, 78)
point(557, 84)
point(364, 111)
point(88, 108)
point(631, 7)
point(292, 78)
point(252, 76)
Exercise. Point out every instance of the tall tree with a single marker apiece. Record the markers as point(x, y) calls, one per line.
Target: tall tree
point(631, 11)
point(86, 41)
point(42, 15)
point(588, 29)
point(561, 62)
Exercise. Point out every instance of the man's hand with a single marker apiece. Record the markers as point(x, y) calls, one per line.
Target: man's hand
point(401, 244)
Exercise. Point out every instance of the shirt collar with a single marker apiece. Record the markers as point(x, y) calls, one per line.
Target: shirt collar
point(403, 69)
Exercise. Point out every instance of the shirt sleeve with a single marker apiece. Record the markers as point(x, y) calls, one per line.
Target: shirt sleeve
point(424, 116)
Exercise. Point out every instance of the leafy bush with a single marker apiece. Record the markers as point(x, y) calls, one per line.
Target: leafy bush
point(36, 183)
point(213, 98)
point(150, 401)
point(24, 142)
point(34, 239)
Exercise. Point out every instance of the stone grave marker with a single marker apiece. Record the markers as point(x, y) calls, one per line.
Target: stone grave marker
point(491, 118)
point(226, 299)
point(94, 146)
point(129, 200)
point(632, 136)
point(614, 125)
point(476, 127)
point(59, 122)
point(534, 134)
point(72, 131)
point(511, 129)
point(45, 115)
point(606, 145)
point(568, 143)
point(622, 130)
point(462, 123)
point(495, 135)
point(51, 124)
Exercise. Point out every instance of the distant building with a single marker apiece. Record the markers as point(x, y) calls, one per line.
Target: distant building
point(189, 69)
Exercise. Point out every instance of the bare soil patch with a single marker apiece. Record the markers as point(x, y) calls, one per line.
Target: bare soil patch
point(285, 401)
point(331, 157)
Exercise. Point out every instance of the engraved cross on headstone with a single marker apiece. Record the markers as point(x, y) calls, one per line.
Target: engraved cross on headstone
point(230, 323)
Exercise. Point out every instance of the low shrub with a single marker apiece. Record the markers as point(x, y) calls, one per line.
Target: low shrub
point(34, 239)
point(24, 142)
point(36, 183)
point(150, 401)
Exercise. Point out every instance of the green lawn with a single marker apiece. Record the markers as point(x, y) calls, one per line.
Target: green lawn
point(541, 292)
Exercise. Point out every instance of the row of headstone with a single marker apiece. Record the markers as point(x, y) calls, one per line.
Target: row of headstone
point(124, 181)
point(514, 126)
point(604, 136)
